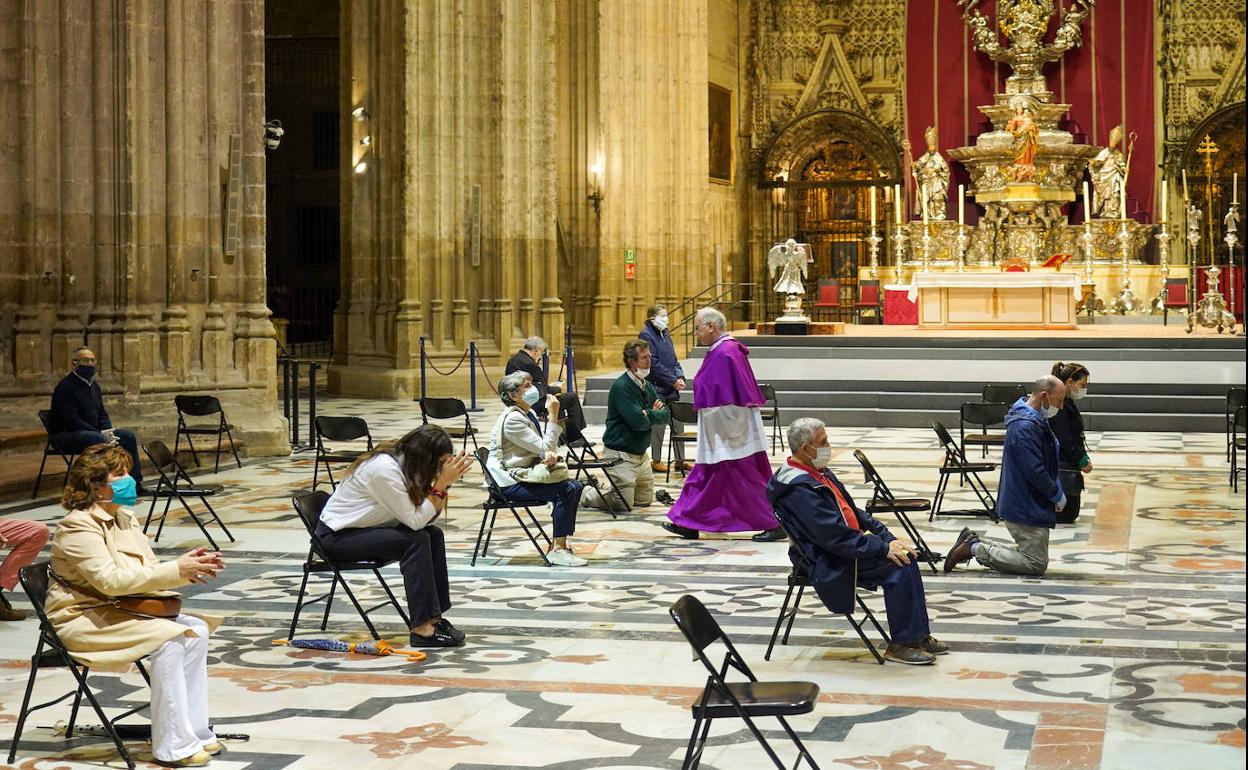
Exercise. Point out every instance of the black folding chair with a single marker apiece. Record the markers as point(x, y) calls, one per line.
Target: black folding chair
point(337, 429)
point(309, 504)
point(1240, 443)
point(771, 412)
point(1003, 394)
point(883, 499)
point(203, 406)
point(490, 507)
point(682, 412)
point(741, 700)
point(50, 652)
point(799, 578)
point(449, 409)
point(175, 484)
point(1234, 400)
point(50, 448)
point(582, 459)
point(956, 464)
point(982, 416)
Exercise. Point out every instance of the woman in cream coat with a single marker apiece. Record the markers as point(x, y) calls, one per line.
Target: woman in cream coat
point(100, 551)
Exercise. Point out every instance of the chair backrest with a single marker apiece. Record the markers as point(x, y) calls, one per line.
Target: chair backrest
point(943, 434)
point(197, 406)
point(873, 477)
point(45, 419)
point(1176, 292)
point(1003, 394)
point(166, 464)
point(483, 458)
point(343, 429)
point(309, 504)
point(34, 578)
point(573, 421)
point(696, 623)
point(984, 415)
point(1234, 398)
point(682, 411)
point(868, 292)
point(829, 292)
point(769, 393)
point(441, 409)
point(797, 536)
point(1239, 418)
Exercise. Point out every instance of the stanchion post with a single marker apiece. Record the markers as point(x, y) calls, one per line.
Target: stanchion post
point(422, 369)
point(570, 365)
point(294, 407)
point(472, 377)
point(312, 367)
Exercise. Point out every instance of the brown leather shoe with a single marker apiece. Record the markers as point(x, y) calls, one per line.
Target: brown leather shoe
point(686, 465)
point(909, 654)
point(658, 467)
point(934, 646)
point(958, 554)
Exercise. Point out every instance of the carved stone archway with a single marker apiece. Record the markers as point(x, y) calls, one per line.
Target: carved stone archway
point(796, 143)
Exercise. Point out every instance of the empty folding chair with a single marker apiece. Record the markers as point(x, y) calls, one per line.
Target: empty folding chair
point(956, 464)
point(770, 412)
point(490, 507)
point(682, 412)
point(175, 484)
point(50, 652)
point(449, 409)
point(49, 448)
point(1240, 442)
point(883, 499)
point(309, 504)
point(1003, 394)
point(746, 700)
point(1234, 400)
point(799, 578)
point(582, 459)
point(982, 416)
point(337, 429)
point(203, 406)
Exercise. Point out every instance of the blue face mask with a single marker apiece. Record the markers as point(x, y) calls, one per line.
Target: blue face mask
point(532, 396)
point(125, 491)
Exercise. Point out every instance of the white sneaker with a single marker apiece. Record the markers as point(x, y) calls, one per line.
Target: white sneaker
point(563, 557)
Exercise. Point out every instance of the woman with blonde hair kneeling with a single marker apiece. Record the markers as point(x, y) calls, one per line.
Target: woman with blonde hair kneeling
point(101, 559)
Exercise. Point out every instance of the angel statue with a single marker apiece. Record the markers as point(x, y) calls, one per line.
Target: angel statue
point(790, 258)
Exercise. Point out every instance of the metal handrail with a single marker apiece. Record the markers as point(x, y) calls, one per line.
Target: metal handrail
point(698, 300)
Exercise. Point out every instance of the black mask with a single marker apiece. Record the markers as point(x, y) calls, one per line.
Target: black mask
point(85, 371)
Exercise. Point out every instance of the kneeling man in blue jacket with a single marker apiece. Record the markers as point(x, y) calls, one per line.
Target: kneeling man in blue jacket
point(848, 547)
point(1030, 494)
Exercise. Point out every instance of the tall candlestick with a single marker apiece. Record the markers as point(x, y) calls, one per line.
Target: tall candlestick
point(897, 203)
point(1185, 198)
point(1087, 204)
point(1123, 201)
point(923, 198)
point(961, 204)
point(1164, 201)
point(1235, 188)
point(872, 205)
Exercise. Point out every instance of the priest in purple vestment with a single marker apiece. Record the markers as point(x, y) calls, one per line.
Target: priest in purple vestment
point(727, 489)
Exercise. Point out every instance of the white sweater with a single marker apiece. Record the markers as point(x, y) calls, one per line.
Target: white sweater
point(375, 495)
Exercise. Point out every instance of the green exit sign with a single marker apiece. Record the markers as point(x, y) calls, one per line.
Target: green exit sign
point(630, 256)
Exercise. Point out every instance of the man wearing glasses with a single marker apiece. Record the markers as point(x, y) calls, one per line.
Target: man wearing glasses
point(79, 419)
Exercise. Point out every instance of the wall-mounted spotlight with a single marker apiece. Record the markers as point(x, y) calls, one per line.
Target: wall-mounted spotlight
point(367, 140)
point(360, 114)
point(273, 133)
point(361, 167)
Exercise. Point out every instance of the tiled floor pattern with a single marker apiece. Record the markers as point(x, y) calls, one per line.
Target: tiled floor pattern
point(1128, 655)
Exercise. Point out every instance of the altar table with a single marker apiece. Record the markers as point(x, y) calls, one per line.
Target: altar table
point(1026, 300)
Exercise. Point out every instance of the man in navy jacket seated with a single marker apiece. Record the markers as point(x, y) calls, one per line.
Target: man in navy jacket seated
point(79, 419)
point(848, 547)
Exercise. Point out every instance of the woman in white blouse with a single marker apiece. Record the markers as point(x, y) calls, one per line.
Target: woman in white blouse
point(385, 509)
point(517, 442)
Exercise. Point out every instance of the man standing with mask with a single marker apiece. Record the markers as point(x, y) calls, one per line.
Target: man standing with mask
point(668, 380)
point(1030, 494)
point(79, 419)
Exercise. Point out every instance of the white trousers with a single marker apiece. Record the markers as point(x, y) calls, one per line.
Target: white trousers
point(179, 671)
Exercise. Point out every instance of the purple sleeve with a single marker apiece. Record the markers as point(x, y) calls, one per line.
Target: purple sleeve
point(725, 377)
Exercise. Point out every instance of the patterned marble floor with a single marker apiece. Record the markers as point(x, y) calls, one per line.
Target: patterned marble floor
point(1128, 655)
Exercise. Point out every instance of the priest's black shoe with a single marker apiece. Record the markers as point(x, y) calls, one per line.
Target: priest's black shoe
point(769, 535)
point(436, 639)
point(676, 529)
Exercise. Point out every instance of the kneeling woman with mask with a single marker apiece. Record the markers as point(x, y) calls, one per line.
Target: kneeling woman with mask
point(100, 560)
point(526, 467)
point(1067, 425)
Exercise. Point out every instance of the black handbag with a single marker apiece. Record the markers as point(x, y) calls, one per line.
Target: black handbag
point(1072, 481)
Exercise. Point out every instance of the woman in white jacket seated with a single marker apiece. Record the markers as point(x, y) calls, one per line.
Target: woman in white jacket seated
point(518, 446)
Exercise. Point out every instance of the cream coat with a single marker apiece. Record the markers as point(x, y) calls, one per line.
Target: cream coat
point(111, 555)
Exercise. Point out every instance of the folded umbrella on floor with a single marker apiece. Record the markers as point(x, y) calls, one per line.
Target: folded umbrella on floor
point(379, 647)
point(137, 732)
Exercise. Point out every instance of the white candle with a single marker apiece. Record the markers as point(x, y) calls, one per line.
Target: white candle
point(1185, 198)
point(961, 204)
point(897, 203)
point(1164, 201)
point(1087, 203)
point(1235, 188)
point(924, 200)
point(873, 205)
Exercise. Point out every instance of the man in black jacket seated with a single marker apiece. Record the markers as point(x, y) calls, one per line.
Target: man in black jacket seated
point(79, 419)
point(529, 360)
point(840, 540)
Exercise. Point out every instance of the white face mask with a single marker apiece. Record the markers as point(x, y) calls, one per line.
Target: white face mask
point(1078, 394)
point(823, 456)
point(1049, 411)
point(660, 322)
point(643, 373)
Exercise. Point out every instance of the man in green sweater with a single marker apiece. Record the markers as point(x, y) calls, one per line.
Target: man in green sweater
point(633, 409)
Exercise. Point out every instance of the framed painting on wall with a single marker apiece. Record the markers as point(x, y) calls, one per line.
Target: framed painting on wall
point(719, 133)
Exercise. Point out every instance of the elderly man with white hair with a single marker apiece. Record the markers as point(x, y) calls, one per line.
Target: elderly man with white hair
point(727, 489)
point(847, 547)
point(1030, 494)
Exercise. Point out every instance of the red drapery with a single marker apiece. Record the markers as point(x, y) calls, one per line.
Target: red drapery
point(947, 81)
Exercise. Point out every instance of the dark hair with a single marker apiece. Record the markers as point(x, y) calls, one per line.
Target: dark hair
point(419, 455)
point(90, 470)
point(654, 309)
point(1069, 372)
point(632, 350)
